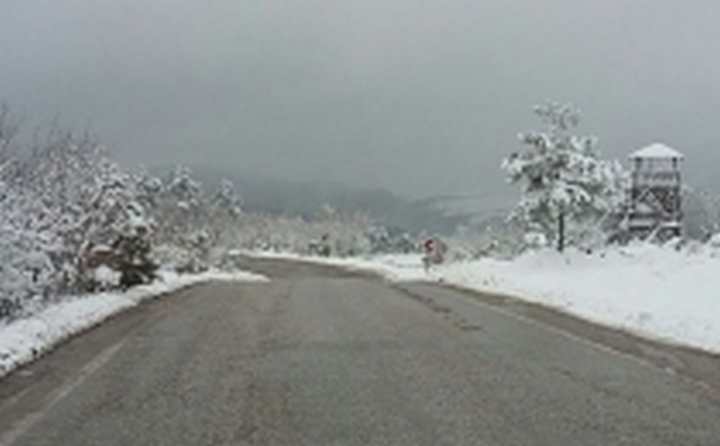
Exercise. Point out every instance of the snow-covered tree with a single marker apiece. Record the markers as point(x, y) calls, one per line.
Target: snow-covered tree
point(60, 177)
point(27, 272)
point(71, 219)
point(113, 208)
point(225, 210)
point(117, 222)
point(563, 181)
point(148, 188)
point(227, 199)
point(183, 237)
point(183, 188)
point(86, 203)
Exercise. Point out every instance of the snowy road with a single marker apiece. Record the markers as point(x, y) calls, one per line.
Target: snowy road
point(318, 356)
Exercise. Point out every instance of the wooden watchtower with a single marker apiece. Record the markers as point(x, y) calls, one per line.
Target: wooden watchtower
point(655, 203)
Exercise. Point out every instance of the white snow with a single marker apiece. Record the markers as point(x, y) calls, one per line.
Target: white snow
point(652, 291)
point(23, 339)
point(656, 150)
point(106, 276)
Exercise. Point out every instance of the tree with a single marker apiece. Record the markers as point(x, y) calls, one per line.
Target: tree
point(26, 270)
point(180, 204)
point(564, 183)
point(227, 199)
point(148, 188)
point(113, 208)
point(89, 205)
point(60, 175)
point(183, 237)
point(225, 210)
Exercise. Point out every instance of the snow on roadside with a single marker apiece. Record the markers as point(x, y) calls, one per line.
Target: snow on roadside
point(649, 290)
point(23, 339)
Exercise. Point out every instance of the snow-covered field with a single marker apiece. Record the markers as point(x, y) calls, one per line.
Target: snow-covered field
point(649, 290)
point(22, 340)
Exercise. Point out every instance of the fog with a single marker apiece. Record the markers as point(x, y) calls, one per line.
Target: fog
point(422, 98)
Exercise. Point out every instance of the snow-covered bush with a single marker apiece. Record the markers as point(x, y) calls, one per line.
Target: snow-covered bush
point(493, 236)
point(68, 214)
point(383, 240)
point(179, 209)
point(27, 273)
point(343, 234)
point(171, 257)
point(93, 203)
point(73, 220)
point(535, 240)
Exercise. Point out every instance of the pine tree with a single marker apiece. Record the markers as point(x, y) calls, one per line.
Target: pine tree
point(564, 183)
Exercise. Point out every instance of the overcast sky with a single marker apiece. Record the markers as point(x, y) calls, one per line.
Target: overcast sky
point(420, 97)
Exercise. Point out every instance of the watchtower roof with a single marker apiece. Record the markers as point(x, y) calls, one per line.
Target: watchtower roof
point(656, 151)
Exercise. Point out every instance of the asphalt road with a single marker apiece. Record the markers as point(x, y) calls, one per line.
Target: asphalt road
point(322, 357)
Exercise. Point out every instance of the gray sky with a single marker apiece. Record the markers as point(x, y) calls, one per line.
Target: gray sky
point(420, 97)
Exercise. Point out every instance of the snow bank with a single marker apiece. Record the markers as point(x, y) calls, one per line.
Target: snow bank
point(23, 339)
point(652, 291)
point(657, 293)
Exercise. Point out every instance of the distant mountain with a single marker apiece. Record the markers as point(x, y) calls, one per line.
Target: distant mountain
point(279, 196)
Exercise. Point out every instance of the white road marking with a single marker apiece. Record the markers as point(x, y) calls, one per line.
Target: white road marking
point(24, 425)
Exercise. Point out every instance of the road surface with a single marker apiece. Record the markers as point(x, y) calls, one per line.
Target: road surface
point(323, 357)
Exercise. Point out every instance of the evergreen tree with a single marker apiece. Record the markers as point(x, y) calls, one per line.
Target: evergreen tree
point(563, 181)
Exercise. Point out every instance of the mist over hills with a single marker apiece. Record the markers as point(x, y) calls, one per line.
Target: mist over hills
point(442, 214)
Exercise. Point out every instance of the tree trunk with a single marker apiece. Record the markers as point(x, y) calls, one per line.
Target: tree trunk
point(561, 232)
